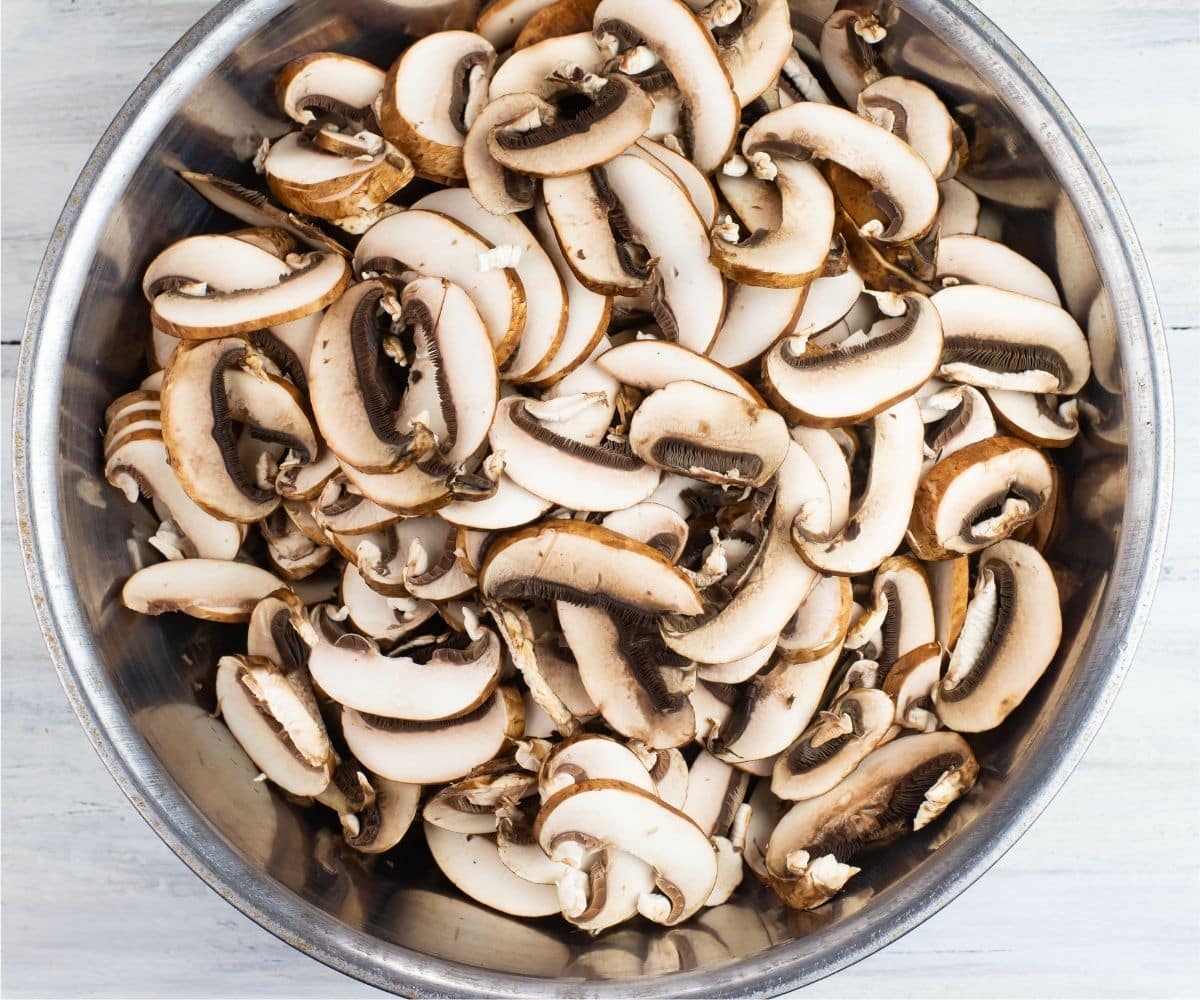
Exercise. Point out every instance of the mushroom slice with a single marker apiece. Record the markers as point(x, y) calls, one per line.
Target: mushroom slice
point(280, 631)
point(902, 786)
point(531, 69)
point(623, 816)
point(212, 589)
point(590, 757)
point(379, 617)
point(973, 260)
point(341, 511)
point(1104, 344)
point(420, 489)
point(437, 575)
point(834, 744)
point(910, 684)
point(792, 253)
point(223, 263)
point(828, 301)
point(949, 585)
point(714, 792)
point(1041, 419)
point(959, 214)
point(436, 246)
point(1010, 635)
point(978, 496)
point(546, 312)
point(777, 580)
point(559, 17)
point(589, 565)
point(820, 623)
point(430, 752)
point(564, 471)
point(475, 804)
point(669, 770)
point(635, 683)
point(255, 209)
point(442, 679)
point(713, 704)
point(963, 417)
point(299, 480)
point(501, 21)
point(324, 85)
point(274, 717)
point(509, 507)
point(772, 710)
point(853, 382)
point(431, 96)
point(561, 674)
point(754, 42)
point(595, 119)
point(655, 364)
point(912, 112)
point(755, 318)
point(736, 671)
point(290, 551)
point(900, 181)
point(708, 434)
point(825, 450)
point(698, 187)
point(709, 109)
point(877, 525)
point(996, 339)
point(137, 465)
point(765, 812)
point(382, 824)
point(497, 189)
point(903, 588)
point(846, 49)
point(652, 523)
point(314, 280)
point(471, 862)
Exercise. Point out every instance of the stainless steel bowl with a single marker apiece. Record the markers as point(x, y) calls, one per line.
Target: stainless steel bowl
point(142, 687)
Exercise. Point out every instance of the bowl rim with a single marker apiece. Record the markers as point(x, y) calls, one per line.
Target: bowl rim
point(946, 874)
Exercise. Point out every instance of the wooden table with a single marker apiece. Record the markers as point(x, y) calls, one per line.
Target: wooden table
point(1100, 899)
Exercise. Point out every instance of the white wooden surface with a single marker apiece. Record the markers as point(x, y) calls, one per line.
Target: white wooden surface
point(1100, 899)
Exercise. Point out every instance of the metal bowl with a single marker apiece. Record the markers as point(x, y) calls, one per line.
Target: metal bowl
point(142, 687)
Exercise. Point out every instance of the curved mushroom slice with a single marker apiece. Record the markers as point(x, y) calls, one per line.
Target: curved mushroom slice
point(978, 496)
point(709, 109)
point(1104, 344)
point(652, 523)
point(1041, 419)
point(280, 631)
point(903, 588)
point(427, 753)
point(997, 339)
point(438, 574)
point(324, 85)
point(755, 318)
point(564, 471)
point(223, 263)
point(436, 246)
point(834, 464)
point(973, 260)
point(274, 717)
point(353, 174)
point(591, 757)
point(314, 280)
point(382, 618)
point(655, 364)
point(902, 786)
point(635, 683)
point(772, 710)
point(471, 862)
point(713, 704)
point(422, 488)
point(828, 301)
point(667, 768)
point(846, 51)
point(212, 589)
point(959, 214)
point(708, 434)
point(431, 96)
point(754, 41)
point(1010, 635)
point(341, 511)
point(792, 253)
point(949, 585)
point(382, 824)
point(546, 312)
point(530, 70)
point(912, 112)
point(509, 507)
point(633, 821)
point(496, 188)
point(501, 21)
point(443, 679)
point(852, 382)
point(715, 790)
point(834, 744)
point(961, 416)
point(910, 684)
point(877, 525)
point(561, 674)
point(558, 18)
point(901, 183)
point(820, 623)
point(476, 804)
point(595, 119)
point(290, 551)
point(299, 480)
point(769, 593)
point(698, 187)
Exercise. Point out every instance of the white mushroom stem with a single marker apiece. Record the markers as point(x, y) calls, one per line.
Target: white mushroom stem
point(948, 788)
point(826, 874)
point(762, 166)
point(977, 628)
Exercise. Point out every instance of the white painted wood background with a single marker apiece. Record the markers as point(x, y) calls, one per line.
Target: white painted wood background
point(1102, 898)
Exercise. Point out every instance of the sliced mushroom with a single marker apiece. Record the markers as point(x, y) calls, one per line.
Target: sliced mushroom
point(826, 451)
point(652, 523)
point(431, 97)
point(290, 551)
point(736, 671)
point(959, 213)
point(996, 339)
point(852, 382)
point(328, 85)
point(299, 480)
point(910, 684)
point(223, 263)
point(530, 69)
point(709, 110)
point(382, 824)
point(877, 524)
point(828, 301)
point(477, 803)
point(590, 757)
point(902, 786)
point(381, 618)
point(949, 584)
point(973, 260)
point(1010, 635)
point(754, 42)
point(212, 589)
point(755, 318)
point(339, 510)
point(1041, 419)
point(430, 752)
point(708, 434)
point(501, 21)
point(820, 623)
point(509, 507)
point(902, 587)
point(436, 246)
point(846, 52)
point(471, 862)
point(960, 417)
point(715, 790)
point(279, 630)
point(560, 17)
point(829, 749)
point(978, 496)
point(496, 188)
point(626, 817)
point(654, 364)
point(274, 717)
point(912, 112)
point(697, 185)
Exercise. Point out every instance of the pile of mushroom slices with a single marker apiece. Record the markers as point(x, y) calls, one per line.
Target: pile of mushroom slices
point(681, 437)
